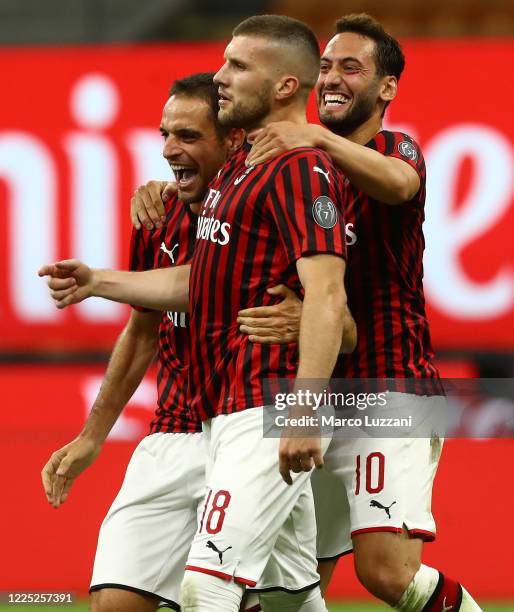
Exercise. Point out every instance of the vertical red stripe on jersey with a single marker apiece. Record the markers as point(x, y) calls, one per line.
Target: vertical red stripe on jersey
point(169, 246)
point(266, 217)
point(385, 277)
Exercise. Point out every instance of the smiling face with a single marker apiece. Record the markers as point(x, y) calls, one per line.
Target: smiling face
point(245, 82)
point(192, 146)
point(349, 90)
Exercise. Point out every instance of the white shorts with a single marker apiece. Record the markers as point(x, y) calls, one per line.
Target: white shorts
point(145, 537)
point(253, 527)
point(373, 484)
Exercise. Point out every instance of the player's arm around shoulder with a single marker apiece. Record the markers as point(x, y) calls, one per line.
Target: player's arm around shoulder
point(390, 177)
point(147, 206)
point(279, 137)
point(386, 178)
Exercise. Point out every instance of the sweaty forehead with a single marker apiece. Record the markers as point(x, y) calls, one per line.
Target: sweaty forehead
point(350, 44)
point(250, 49)
point(184, 112)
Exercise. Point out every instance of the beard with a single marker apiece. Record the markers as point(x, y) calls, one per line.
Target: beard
point(362, 109)
point(247, 114)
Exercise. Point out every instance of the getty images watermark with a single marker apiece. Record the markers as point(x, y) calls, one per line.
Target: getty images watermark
point(359, 410)
point(390, 408)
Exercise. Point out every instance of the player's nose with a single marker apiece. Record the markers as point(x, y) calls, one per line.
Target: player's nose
point(171, 149)
point(219, 77)
point(333, 78)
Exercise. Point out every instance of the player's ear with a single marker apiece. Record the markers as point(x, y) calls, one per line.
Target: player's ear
point(286, 87)
point(388, 88)
point(235, 139)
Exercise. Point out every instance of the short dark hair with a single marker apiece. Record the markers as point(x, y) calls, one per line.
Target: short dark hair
point(201, 85)
point(389, 58)
point(282, 29)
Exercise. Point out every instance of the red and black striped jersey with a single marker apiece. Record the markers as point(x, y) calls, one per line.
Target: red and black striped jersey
point(254, 225)
point(384, 278)
point(172, 245)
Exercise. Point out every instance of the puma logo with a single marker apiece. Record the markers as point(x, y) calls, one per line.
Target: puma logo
point(320, 171)
point(376, 504)
point(170, 253)
point(244, 175)
point(445, 608)
point(213, 547)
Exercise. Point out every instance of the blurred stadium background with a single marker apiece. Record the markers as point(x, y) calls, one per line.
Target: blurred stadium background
point(83, 84)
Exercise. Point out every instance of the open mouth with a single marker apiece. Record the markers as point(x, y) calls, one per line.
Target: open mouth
point(222, 99)
point(335, 100)
point(185, 175)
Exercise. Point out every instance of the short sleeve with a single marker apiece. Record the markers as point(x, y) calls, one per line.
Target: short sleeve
point(405, 148)
point(305, 199)
point(141, 255)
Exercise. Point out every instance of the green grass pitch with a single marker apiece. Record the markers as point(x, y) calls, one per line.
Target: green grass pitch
point(372, 607)
point(341, 607)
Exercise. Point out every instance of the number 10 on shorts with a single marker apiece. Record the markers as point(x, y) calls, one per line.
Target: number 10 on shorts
point(374, 467)
point(214, 509)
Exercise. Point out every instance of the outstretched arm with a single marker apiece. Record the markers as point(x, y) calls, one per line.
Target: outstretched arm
point(72, 281)
point(384, 178)
point(131, 356)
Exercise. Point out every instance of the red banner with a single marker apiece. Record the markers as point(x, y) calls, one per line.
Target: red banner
point(46, 549)
point(81, 133)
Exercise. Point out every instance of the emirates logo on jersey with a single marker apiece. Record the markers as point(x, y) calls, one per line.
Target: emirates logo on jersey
point(211, 201)
point(210, 228)
point(213, 230)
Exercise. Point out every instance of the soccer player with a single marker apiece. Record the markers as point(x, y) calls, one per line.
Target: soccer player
point(380, 489)
point(146, 535)
point(279, 222)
